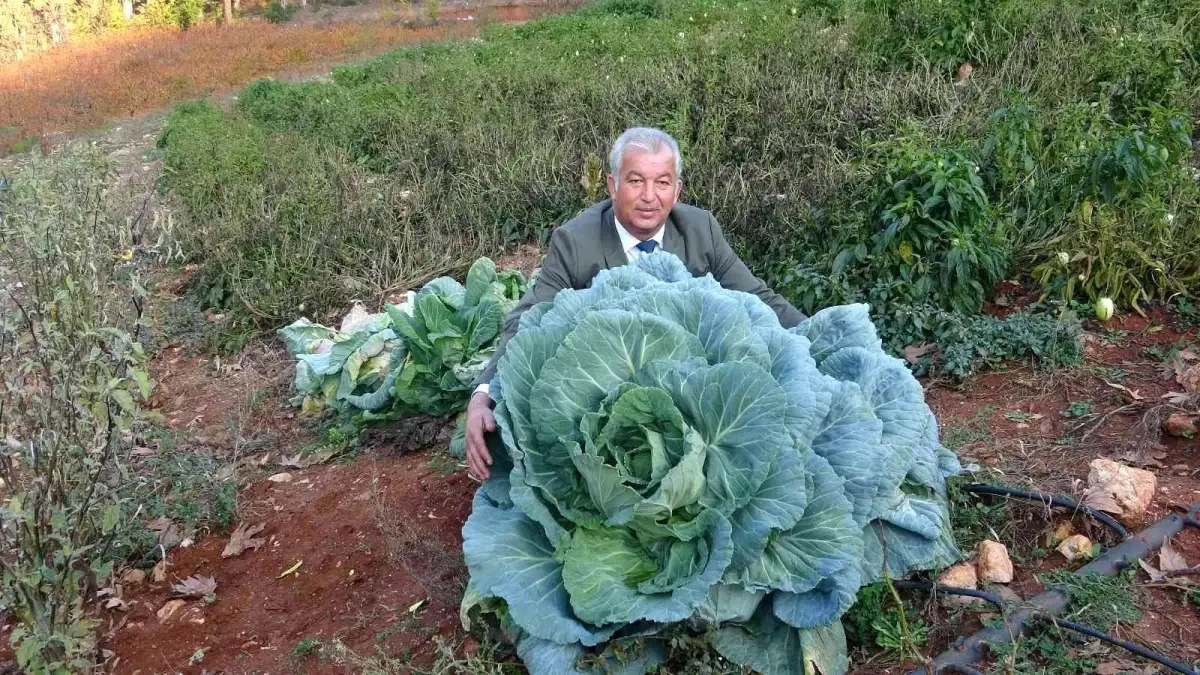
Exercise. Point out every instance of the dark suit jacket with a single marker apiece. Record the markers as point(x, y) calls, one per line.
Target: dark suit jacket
point(589, 243)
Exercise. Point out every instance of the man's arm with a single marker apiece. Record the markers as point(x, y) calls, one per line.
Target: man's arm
point(554, 276)
point(733, 274)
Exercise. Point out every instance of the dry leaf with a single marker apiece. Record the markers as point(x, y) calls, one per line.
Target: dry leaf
point(168, 610)
point(1175, 367)
point(1134, 395)
point(1190, 379)
point(1117, 668)
point(912, 353)
point(243, 538)
point(1155, 575)
point(1169, 559)
point(159, 573)
point(194, 587)
point(317, 458)
point(292, 462)
point(165, 531)
point(1178, 398)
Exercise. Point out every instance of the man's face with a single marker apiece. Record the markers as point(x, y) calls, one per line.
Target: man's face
point(645, 191)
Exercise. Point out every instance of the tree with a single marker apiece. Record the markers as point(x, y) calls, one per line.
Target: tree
point(228, 11)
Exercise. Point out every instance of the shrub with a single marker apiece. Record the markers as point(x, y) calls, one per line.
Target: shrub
point(277, 12)
point(73, 376)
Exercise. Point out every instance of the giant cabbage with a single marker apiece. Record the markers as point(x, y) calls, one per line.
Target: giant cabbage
point(669, 456)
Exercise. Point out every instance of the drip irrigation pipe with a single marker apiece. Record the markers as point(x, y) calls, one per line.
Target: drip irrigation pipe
point(1069, 625)
point(972, 648)
point(1048, 500)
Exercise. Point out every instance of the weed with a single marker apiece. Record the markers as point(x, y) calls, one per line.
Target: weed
point(71, 382)
point(1113, 337)
point(1078, 409)
point(1043, 652)
point(305, 648)
point(443, 464)
point(278, 13)
point(1098, 601)
point(437, 568)
point(974, 430)
point(974, 519)
point(1018, 416)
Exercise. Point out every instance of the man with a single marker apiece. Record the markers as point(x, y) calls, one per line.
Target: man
point(642, 215)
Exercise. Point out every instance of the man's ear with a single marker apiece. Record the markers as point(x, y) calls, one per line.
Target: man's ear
point(678, 190)
point(612, 185)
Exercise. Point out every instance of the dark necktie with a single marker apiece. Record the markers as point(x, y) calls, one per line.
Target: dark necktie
point(647, 246)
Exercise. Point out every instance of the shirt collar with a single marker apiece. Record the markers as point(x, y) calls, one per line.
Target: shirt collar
point(628, 241)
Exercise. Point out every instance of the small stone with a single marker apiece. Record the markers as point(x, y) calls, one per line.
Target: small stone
point(961, 575)
point(1182, 425)
point(1121, 490)
point(168, 610)
point(284, 477)
point(133, 577)
point(1076, 547)
point(993, 563)
point(1064, 529)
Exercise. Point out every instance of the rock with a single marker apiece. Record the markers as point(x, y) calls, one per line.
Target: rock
point(168, 610)
point(961, 575)
point(284, 477)
point(1120, 490)
point(993, 563)
point(133, 577)
point(1076, 547)
point(1063, 530)
point(1180, 424)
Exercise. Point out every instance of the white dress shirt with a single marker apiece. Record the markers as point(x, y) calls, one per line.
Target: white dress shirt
point(632, 252)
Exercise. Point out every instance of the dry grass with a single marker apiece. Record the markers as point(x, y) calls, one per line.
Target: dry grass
point(87, 84)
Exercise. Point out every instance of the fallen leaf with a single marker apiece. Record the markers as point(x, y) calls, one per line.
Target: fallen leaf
point(159, 573)
point(1190, 379)
point(412, 609)
point(1134, 395)
point(1169, 559)
point(168, 610)
point(291, 569)
point(1179, 363)
point(913, 353)
point(292, 462)
point(1116, 668)
point(318, 458)
point(165, 530)
point(194, 587)
point(1154, 574)
point(243, 538)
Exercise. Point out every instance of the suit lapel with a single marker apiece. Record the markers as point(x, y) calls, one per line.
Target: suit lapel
point(610, 243)
point(672, 239)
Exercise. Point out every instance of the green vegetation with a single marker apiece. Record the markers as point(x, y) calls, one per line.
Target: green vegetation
point(1099, 601)
point(833, 141)
point(73, 379)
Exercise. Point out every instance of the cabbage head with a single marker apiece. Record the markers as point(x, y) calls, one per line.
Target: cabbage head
point(671, 458)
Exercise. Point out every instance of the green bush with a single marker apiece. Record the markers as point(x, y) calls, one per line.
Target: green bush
point(277, 12)
point(809, 129)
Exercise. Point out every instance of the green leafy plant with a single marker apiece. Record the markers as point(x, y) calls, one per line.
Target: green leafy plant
point(668, 452)
point(418, 355)
point(938, 237)
point(73, 377)
point(1078, 409)
point(1099, 601)
point(277, 12)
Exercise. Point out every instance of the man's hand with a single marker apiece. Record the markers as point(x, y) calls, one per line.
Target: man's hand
point(479, 420)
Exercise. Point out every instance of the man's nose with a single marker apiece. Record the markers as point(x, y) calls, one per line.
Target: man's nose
point(647, 194)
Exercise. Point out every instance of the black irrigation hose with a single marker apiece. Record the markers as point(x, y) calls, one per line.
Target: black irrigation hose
point(1135, 648)
point(1048, 500)
point(1069, 625)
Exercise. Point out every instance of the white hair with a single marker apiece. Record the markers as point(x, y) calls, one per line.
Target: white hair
point(647, 140)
